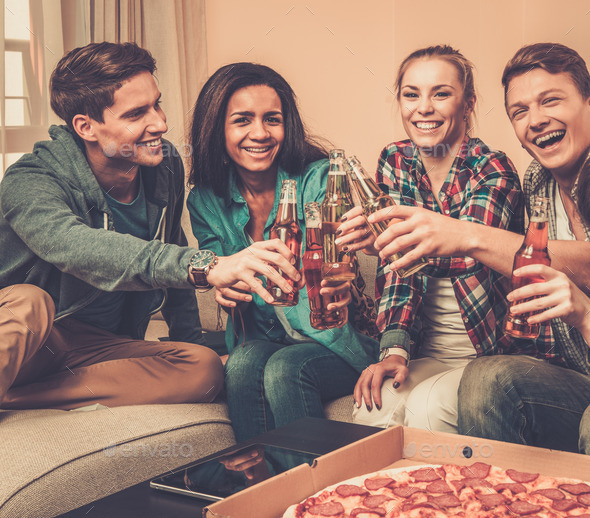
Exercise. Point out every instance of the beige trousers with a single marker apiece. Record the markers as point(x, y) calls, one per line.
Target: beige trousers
point(70, 364)
point(427, 399)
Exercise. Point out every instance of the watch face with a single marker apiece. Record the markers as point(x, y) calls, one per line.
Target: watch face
point(202, 259)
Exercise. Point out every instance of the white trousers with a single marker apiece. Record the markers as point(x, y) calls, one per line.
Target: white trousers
point(427, 399)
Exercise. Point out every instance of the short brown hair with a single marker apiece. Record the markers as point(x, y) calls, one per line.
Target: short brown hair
point(551, 57)
point(85, 79)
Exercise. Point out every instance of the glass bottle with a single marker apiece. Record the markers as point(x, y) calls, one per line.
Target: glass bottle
point(367, 194)
point(288, 231)
point(319, 316)
point(532, 251)
point(338, 266)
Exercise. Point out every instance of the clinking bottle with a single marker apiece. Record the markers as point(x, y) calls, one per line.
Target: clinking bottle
point(319, 316)
point(532, 251)
point(288, 231)
point(338, 266)
point(367, 194)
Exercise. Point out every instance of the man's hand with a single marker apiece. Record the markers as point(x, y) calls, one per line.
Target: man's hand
point(419, 233)
point(368, 386)
point(355, 233)
point(260, 258)
point(558, 297)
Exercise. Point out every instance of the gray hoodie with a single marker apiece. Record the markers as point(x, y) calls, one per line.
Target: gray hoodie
point(56, 231)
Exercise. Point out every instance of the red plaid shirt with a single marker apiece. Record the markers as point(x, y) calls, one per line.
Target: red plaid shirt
point(482, 186)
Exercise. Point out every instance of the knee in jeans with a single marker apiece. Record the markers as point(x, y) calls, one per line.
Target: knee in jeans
point(279, 372)
point(480, 378)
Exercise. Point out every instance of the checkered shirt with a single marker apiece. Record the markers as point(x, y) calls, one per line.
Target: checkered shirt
point(482, 186)
point(564, 341)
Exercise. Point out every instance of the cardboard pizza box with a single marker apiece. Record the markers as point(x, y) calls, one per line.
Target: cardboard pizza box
point(391, 448)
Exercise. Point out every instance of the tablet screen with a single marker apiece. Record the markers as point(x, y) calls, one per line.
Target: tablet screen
point(229, 473)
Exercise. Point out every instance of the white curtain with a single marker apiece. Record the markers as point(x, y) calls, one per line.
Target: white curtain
point(52, 28)
point(173, 31)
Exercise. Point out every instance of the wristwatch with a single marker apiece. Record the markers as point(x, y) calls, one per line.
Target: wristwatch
point(199, 266)
point(394, 351)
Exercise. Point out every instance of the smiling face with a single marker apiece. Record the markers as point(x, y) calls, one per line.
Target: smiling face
point(130, 135)
point(254, 130)
point(433, 109)
point(551, 119)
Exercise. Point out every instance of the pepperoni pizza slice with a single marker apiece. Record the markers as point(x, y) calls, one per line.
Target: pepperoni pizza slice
point(478, 490)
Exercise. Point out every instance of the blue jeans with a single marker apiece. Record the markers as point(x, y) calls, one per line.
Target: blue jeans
point(270, 385)
point(523, 400)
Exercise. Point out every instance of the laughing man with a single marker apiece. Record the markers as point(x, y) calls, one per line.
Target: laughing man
point(535, 401)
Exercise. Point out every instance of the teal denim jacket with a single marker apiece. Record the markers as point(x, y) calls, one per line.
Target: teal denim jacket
point(218, 224)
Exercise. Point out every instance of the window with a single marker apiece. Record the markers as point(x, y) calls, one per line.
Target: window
point(23, 94)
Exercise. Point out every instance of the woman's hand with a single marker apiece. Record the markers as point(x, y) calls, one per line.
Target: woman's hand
point(232, 296)
point(355, 233)
point(340, 293)
point(558, 297)
point(260, 258)
point(368, 386)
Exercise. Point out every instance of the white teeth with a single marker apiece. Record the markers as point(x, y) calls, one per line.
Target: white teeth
point(538, 141)
point(427, 125)
point(257, 149)
point(153, 143)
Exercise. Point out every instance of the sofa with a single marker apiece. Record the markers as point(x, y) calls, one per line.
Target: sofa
point(56, 460)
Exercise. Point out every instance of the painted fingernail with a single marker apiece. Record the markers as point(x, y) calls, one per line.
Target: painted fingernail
point(368, 408)
point(343, 218)
point(395, 384)
point(378, 407)
point(345, 249)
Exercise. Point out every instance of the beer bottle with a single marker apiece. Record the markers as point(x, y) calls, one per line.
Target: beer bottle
point(367, 194)
point(532, 251)
point(288, 231)
point(319, 316)
point(338, 266)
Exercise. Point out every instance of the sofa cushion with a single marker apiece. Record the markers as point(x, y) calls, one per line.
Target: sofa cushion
point(57, 460)
point(340, 409)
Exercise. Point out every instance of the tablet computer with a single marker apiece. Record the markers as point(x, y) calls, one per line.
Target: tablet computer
point(226, 474)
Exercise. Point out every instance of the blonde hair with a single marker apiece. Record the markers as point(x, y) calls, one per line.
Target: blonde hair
point(463, 66)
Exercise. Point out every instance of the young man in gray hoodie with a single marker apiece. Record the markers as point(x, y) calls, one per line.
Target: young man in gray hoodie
point(91, 245)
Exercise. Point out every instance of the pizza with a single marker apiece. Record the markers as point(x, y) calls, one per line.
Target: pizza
point(478, 491)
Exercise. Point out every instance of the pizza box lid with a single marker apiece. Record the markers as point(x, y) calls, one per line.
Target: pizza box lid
point(391, 448)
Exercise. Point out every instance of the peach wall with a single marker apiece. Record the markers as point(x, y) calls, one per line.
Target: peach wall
point(340, 56)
